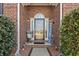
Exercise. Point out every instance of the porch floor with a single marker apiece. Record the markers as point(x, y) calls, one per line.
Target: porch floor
point(40, 50)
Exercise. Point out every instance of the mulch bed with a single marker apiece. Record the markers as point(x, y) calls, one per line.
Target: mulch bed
point(53, 51)
point(25, 51)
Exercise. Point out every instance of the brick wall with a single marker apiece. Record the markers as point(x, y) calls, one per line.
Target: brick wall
point(10, 10)
point(67, 7)
point(22, 25)
point(56, 25)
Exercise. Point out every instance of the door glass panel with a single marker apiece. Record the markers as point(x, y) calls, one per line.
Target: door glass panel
point(39, 28)
point(39, 25)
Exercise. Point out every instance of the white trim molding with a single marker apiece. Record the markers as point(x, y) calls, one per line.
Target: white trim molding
point(43, 4)
point(61, 14)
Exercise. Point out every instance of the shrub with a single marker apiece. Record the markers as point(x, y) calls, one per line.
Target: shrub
point(6, 35)
point(70, 33)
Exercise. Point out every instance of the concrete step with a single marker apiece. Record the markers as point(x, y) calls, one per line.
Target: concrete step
point(37, 45)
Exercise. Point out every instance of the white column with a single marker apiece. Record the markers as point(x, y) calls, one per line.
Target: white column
point(61, 6)
point(18, 30)
point(61, 14)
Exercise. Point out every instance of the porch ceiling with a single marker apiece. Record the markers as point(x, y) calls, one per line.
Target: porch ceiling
point(40, 4)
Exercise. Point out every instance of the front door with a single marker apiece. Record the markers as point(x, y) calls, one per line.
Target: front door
point(39, 25)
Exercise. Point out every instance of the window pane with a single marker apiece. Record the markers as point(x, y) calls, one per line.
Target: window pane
point(1, 9)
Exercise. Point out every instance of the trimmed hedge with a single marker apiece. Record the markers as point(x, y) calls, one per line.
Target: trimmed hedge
point(70, 33)
point(6, 35)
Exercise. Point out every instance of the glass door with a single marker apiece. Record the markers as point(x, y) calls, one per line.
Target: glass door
point(39, 25)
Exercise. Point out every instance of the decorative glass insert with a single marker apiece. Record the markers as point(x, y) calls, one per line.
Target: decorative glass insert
point(39, 24)
point(39, 28)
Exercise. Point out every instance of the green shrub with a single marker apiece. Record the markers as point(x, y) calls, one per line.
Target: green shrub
point(6, 35)
point(70, 33)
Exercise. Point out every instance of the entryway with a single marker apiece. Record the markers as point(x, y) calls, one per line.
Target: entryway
point(39, 27)
point(40, 30)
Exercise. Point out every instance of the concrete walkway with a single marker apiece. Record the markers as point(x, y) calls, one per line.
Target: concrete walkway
point(39, 52)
